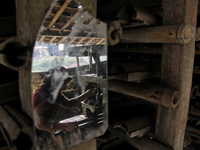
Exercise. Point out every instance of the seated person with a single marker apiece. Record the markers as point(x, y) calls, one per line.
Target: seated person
point(48, 97)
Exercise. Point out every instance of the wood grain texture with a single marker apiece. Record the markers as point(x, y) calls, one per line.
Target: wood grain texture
point(29, 15)
point(176, 72)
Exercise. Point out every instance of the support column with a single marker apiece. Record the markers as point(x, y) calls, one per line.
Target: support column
point(176, 72)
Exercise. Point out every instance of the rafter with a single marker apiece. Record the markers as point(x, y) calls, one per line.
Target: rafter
point(99, 42)
point(72, 8)
point(63, 15)
point(88, 42)
point(58, 14)
point(61, 40)
point(70, 21)
point(41, 39)
point(80, 41)
point(52, 39)
point(72, 40)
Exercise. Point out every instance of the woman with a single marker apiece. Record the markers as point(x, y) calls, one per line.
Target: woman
point(48, 98)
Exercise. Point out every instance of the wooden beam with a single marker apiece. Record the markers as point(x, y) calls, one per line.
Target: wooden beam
point(61, 40)
point(71, 41)
point(72, 8)
point(60, 34)
point(136, 76)
point(52, 39)
point(79, 41)
point(193, 129)
point(148, 17)
point(58, 14)
point(9, 124)
point(41, 39)
point(9, 99)
point(176, 72)
point(142, 143)
point(100, 41)
point(88, 42)
point(70, 21)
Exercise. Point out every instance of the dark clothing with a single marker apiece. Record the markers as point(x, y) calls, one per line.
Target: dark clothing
point(44, 110)
point(46, 100)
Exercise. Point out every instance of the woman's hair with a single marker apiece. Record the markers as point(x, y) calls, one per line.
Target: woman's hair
point(54, 79)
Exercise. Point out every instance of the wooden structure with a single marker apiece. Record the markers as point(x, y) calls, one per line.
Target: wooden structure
point(59, 23)
point(155, 59)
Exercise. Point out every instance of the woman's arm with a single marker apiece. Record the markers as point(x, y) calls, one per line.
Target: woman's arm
point(43, 123)
point(77, 100)
point(71, 127)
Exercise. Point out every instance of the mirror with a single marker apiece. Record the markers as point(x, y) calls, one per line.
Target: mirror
point(69, 71)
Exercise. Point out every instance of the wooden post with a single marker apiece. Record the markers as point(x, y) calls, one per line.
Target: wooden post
point(9, 124)
point(176, 72)
point(30, 20)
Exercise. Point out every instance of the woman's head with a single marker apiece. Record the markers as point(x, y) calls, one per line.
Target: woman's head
point(54, 81)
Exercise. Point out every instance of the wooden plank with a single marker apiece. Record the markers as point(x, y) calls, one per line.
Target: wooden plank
point(100, 41)
point(58, 14)
point(72, 40)
point(79, 41)
point(28, 25)
point(176, 72)
point(194, 111)
point(70, 21)
point(146, 16)
point(24, 123)
point(41, 39)
point(142, 143)
point(71, 8)
point(137, 76)
point(88, 42)
point(9, 124)
point(9, 99)
point(139, 133)
point(61, 40)
point(55, 32)
point(47, 39)
point(193, 129)
point(52, 39)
